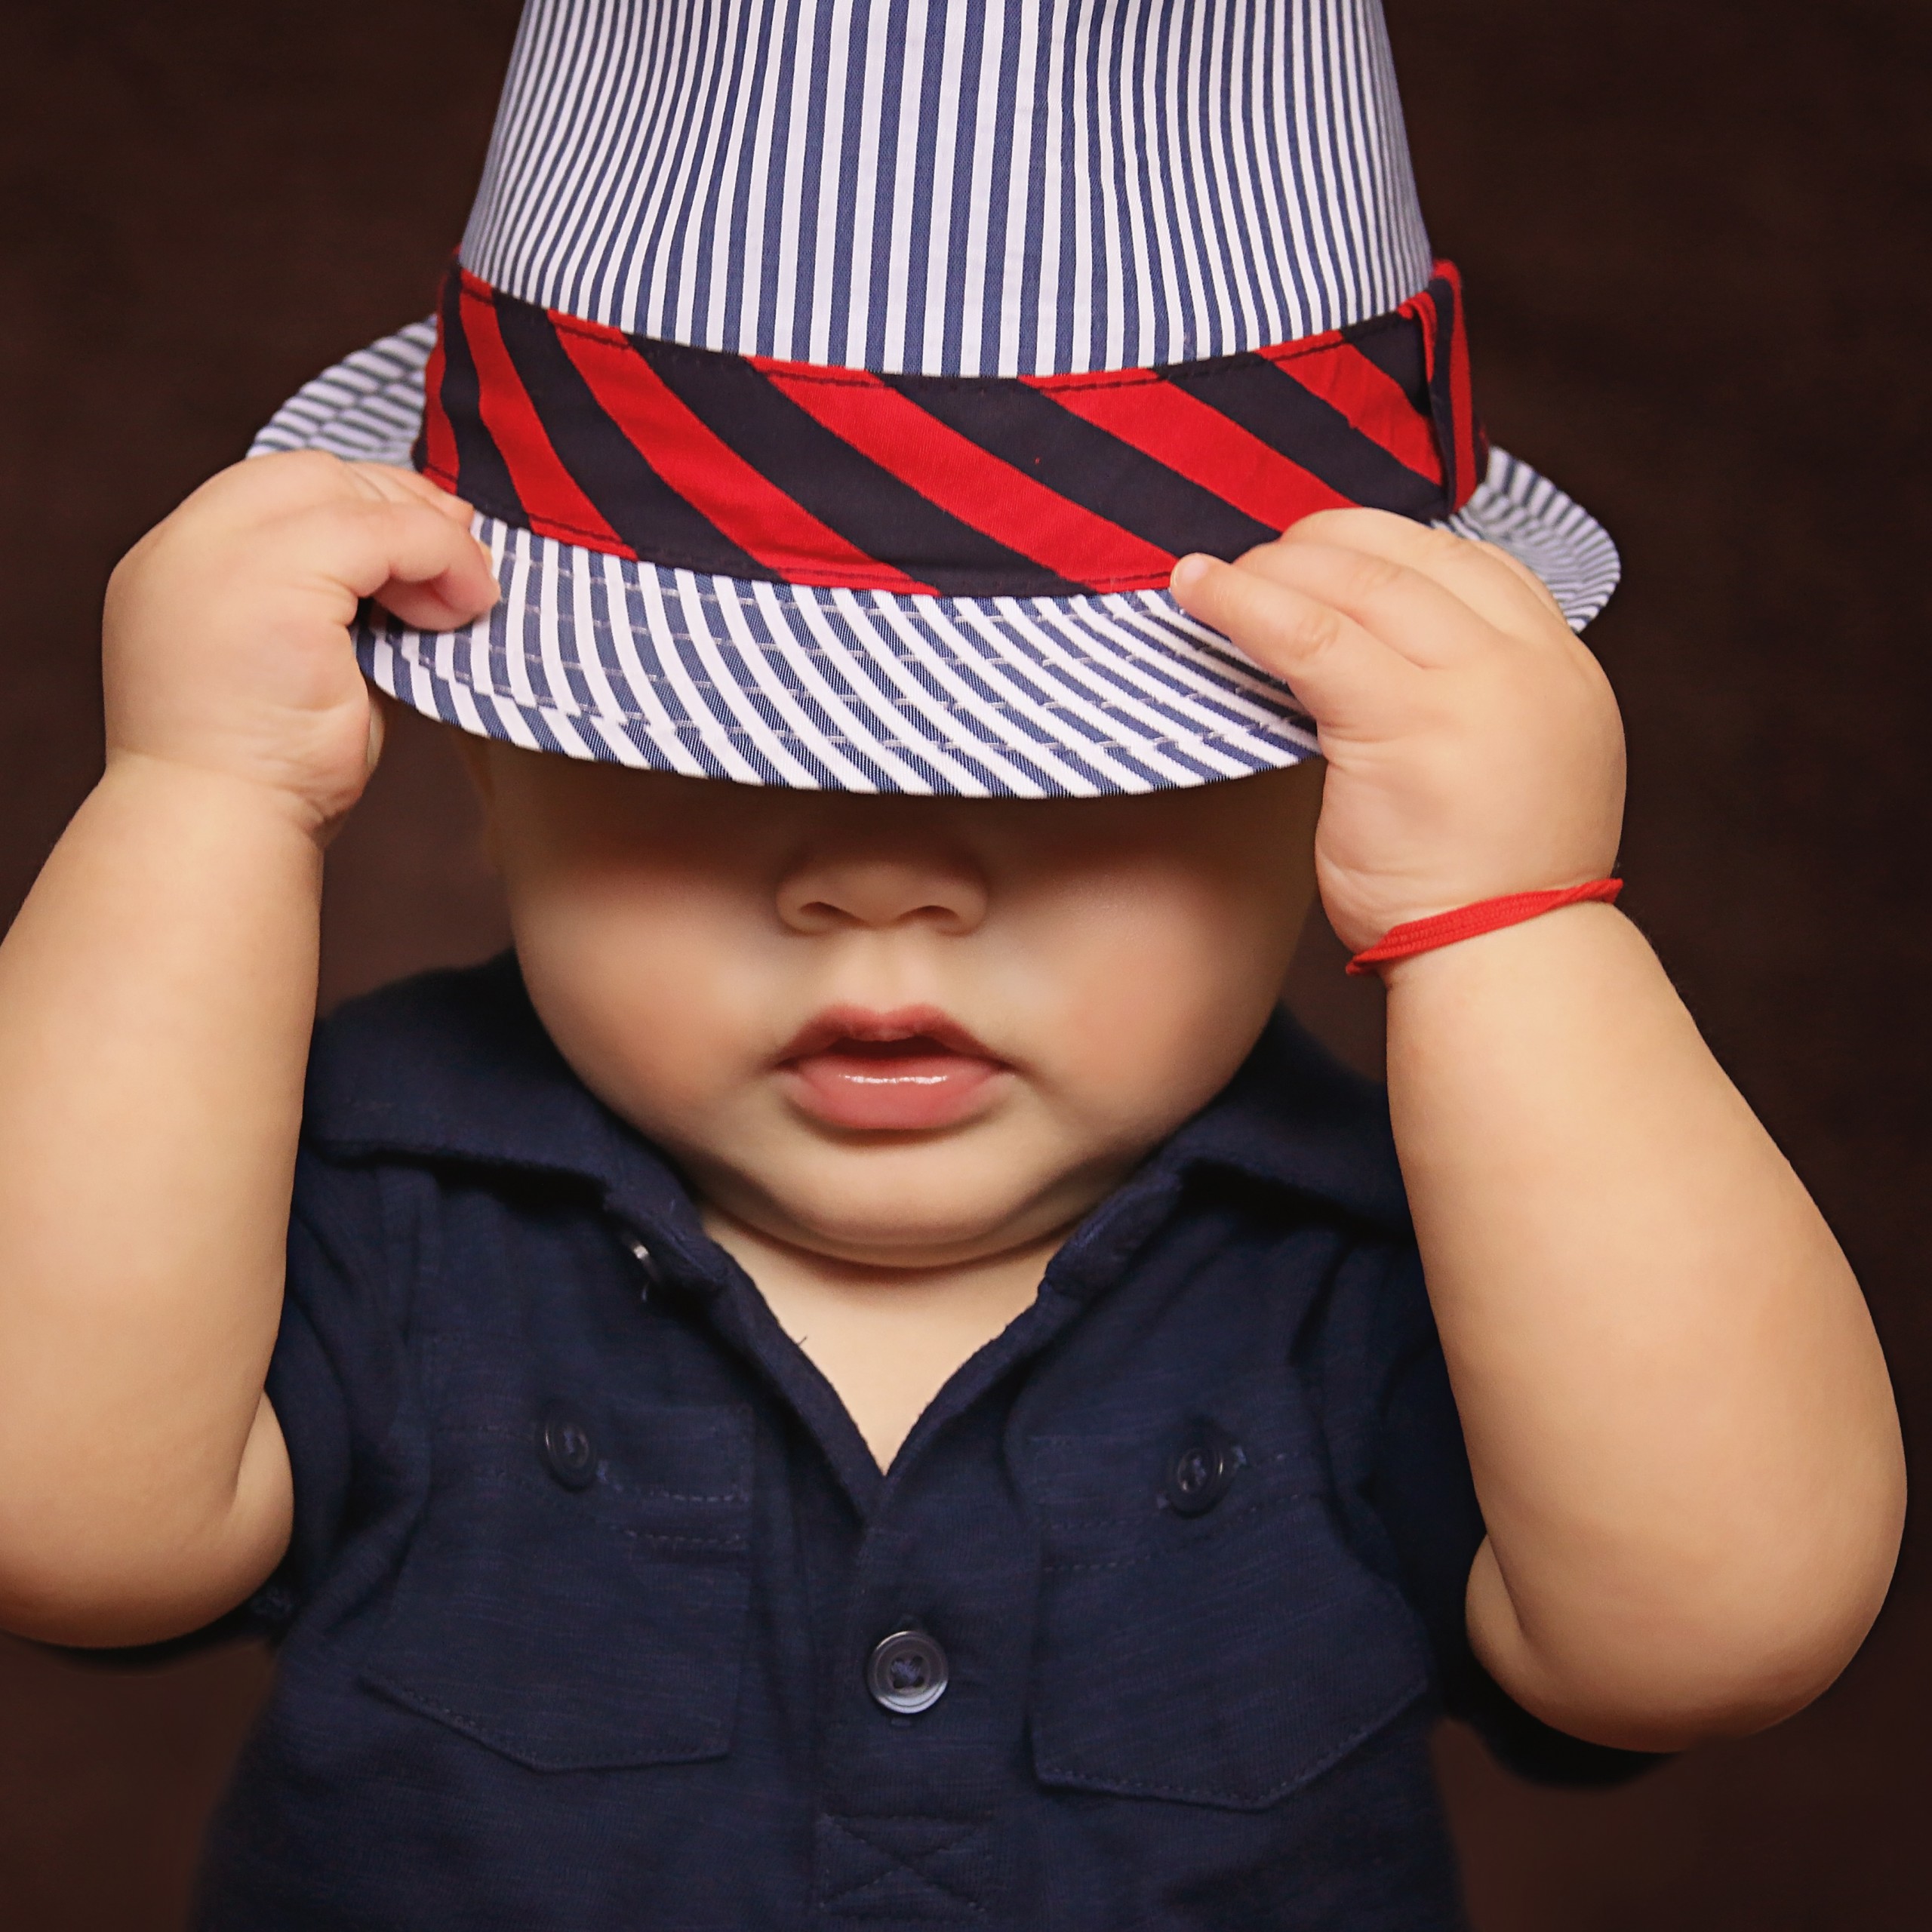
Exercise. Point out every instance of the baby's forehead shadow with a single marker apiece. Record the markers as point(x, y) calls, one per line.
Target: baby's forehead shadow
point(507, 774)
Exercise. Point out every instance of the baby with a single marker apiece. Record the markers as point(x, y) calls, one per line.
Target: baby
point(867, 1374)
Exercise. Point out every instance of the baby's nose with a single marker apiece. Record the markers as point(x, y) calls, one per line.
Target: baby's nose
point(827, 893)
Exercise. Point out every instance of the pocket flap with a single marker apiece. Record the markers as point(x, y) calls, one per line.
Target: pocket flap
point(576, 1593)
point(1222, 1659)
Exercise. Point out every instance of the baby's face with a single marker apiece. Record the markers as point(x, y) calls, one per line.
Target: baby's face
point(900, 1031)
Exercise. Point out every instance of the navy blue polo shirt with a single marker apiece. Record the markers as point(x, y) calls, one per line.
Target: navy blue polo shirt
point(598, 1613)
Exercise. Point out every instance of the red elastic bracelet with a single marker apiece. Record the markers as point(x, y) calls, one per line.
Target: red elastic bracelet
point(1487, 916)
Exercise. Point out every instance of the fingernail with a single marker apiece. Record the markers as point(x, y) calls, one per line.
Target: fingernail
point(1190, 571)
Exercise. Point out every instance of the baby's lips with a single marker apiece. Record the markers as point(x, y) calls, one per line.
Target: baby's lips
point(924, 1089)
point(872, 1026)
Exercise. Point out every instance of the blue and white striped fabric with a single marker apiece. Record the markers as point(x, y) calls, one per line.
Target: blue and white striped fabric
point(971, 187)
point(974, 187)
point(845, 690)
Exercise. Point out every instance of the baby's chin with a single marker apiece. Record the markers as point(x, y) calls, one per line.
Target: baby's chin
point(890, 1208)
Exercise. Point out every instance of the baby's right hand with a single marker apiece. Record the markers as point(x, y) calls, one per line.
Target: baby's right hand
point(225, 644)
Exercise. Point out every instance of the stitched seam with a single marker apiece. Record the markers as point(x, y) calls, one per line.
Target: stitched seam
point(534, 1484)
point(663, 1540)
point(1057, 1508)
point(674, 1496)
point(489, 1432)
point(695, 732)
point(504, 1740)
point(600, 626)
point(819, 579)
point(1147, 1789)
point(1218, 1519)
point(898, 1863)
point(692, 732)
point(833, 1901)
point(830, 377)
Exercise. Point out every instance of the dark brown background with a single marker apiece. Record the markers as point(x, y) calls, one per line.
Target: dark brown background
point(1696, 237)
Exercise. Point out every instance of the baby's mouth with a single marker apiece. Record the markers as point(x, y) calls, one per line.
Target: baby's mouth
point(904, 1072)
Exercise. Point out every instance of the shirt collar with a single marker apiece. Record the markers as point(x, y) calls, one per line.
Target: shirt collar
point(455, 1066)
point(1295, 1118)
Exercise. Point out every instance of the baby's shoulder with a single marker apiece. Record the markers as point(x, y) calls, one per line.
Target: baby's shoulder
point(427, 1064)
point(1296, 1119)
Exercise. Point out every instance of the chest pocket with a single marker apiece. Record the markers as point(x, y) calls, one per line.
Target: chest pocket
point(1206, 1634)
point(576, 1593)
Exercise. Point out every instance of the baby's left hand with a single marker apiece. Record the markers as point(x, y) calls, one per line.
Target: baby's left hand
point(1474, 747)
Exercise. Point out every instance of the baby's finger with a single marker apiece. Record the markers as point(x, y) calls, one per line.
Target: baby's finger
point(388, 480)
point(412, 558)
point(1344, 676)
point(1411, 614)
point(441, 602)
point(1489, 581)
point(1539, 592)
point(382, 708)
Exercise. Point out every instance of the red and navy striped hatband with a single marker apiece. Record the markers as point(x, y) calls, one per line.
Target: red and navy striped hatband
point(754, 468)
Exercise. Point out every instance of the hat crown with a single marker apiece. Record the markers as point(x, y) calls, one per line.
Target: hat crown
point(954, 187)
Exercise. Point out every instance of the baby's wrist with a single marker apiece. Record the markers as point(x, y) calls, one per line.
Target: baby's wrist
point(1410, 938)
point(189, 788)
point(1536, 943)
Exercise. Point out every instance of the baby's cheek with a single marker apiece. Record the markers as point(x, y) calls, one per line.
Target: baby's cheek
point(1155, 1005)
point(652, 1006)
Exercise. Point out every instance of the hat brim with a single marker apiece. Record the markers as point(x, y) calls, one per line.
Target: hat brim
point(598, 656)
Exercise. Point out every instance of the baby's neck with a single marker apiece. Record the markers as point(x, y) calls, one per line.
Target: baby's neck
point(887, 1339)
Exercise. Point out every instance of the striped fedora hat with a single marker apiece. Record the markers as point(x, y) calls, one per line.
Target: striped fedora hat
point(836, 382)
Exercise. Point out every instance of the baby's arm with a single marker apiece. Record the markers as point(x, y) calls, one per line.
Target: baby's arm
point(1681, 1426)
point(156, 995)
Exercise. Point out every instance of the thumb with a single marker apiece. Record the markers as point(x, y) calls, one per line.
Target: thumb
point(382, 709)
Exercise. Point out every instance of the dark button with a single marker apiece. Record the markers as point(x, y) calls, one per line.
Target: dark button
point(907, 1674)
point(1201, 1475)
point(569, 1453)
